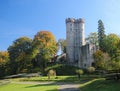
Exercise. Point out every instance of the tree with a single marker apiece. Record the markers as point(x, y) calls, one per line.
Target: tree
point(62, 44)
point(4, 59)
point(79, 72)
point(19, 52)
point(109, 58)
point(51, 73)
point(111, 45)
point(101, 59)
point(93, 38)
point(91, 69)
point(45, 43)
point(101, 34)
point(4, 55)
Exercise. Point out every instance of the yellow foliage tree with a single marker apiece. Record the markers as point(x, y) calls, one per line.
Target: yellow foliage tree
point(46, 45)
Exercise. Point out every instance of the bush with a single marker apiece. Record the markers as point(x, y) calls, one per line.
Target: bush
point(91, 69)
point(62, 69)
point(80, 71)
point(51, 73)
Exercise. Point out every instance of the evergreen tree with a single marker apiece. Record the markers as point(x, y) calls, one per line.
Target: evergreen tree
point(101, 34)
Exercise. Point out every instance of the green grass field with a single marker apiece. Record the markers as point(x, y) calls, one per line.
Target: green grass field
point(28, 87)
point(59, 78)
point(86, 84)
point(55, 79)
point(100, 85)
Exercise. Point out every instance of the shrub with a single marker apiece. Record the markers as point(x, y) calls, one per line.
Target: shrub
point(62, 69)
point(79, 71)
point(91, 69)
point(51, 73)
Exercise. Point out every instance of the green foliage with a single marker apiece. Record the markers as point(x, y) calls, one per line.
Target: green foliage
point(4, 60)
point(45, 43)
point(91, 69)
point(101, 34)
point(62, 69)
point(93, 38)
point(19, 54)
point(101, 59)
point(110, 57)
point(4, 56)
point(114, 65)
point(111, 45)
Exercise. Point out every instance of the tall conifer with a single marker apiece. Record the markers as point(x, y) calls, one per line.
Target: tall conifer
point(101, 34)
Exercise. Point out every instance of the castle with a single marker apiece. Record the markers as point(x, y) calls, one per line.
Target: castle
point(78, 52)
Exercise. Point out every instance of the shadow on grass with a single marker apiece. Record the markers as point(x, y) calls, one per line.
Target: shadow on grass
point(69, 89)
point(38, 85)
point(52, 90)
point(74, 78)
point(41, 85)
point(100, 85)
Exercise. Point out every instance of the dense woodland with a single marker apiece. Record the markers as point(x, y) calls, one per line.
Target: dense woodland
point(32, 55)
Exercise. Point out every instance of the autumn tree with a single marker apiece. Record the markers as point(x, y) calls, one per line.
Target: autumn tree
point(101, 34)
point(45, 43)
point(101, 59)
point(18, 53)
point(4, 59)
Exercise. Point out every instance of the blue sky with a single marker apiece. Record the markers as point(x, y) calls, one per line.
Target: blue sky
point(26, 17)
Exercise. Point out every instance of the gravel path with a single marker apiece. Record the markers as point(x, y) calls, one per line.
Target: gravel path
point(69, 87)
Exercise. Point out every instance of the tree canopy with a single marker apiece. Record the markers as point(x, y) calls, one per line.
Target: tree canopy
point(93, 38)
point(18, 52)
point(111, 45)
point(4, 59)
point(46, 44)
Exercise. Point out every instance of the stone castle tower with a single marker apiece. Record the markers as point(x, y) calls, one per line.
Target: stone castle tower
point(77, 51)
point(75, 38)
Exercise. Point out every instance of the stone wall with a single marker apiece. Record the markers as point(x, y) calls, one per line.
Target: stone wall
point(86, 55)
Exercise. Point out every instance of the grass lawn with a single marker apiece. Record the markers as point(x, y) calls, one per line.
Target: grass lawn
point(28, 87)
point(59, 78)
point(56, 79)
point(100, 85)
point(87, 83)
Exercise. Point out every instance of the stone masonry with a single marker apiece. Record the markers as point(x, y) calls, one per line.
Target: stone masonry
point(77, 51)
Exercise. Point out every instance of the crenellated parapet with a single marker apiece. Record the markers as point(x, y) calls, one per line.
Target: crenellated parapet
point(73, 20)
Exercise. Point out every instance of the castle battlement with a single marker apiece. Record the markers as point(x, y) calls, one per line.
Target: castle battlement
point(73, 20)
